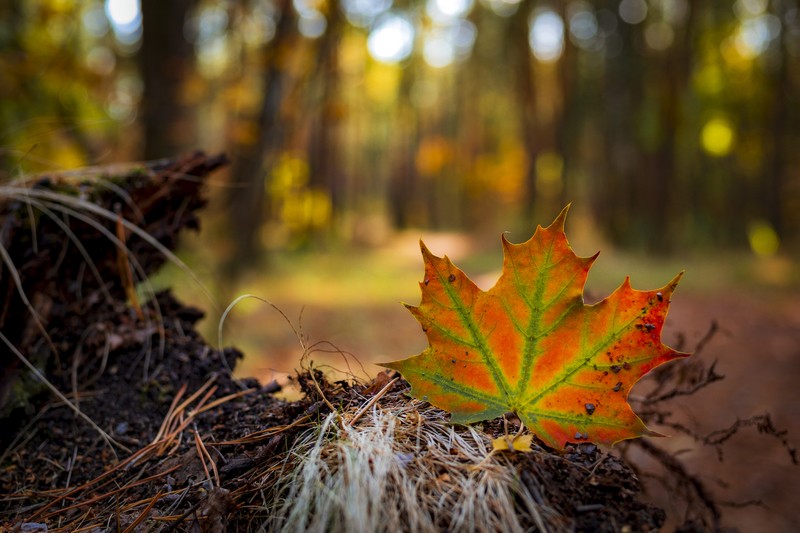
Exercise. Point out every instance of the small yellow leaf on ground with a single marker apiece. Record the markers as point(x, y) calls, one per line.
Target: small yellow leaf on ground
point(520, 443)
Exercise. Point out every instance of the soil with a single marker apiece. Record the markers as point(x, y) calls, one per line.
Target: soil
point(195, 449)
point(60, 473)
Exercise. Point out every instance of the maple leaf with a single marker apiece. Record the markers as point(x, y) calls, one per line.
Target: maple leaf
point(531, 346)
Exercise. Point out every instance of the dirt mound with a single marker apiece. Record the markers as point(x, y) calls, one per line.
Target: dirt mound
point(207, 452)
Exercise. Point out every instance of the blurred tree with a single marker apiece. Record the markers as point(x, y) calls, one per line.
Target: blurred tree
point(324, 148)
point(248, 207)
point(622, 89)
point(166, 60)
point(404, 191)
point(526, 94)
point(783, 126)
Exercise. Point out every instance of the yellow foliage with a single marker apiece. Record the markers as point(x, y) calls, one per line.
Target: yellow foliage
point(61, 6)
point(708, 79)
point(381, 82)
point(353, 53)
point(64, 154)
point(718, 137)
point(290, 172)
point(243, 96)
point(764, 240)
point(502, 172)
point(737, 58)
point(307, 208)
point(298, 206)
point(433, 154)
point(549, 172)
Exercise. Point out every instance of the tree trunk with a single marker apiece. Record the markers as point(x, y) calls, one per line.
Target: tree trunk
point(247, 203)
point(526, 94)
point(166, 62)
point(323, 149)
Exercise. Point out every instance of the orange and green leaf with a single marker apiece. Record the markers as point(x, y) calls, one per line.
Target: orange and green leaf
point(531, 346)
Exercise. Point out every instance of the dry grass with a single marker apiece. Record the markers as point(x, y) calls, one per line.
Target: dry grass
point(400, 467)
point(117, 480)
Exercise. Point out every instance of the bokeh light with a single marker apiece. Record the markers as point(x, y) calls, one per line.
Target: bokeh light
point(312, 24)
point(392, 38)
point(126, 19)
point(123, 12)
point(363, 13)
point(633, 11)
point(503, 8)
point(546, 35)
point(756, 34)
point(749, 8)
point(659, 35)
point(582, 22)
point(448, 11)
point(444, 46)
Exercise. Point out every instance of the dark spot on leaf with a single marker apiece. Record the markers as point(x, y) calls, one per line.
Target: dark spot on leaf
point(615, 369)
point(453, 361)
point(660, 296)
point(424, 329)
point(649, 327)
point(581, 436)
point(618, 386)
point(451, 278)
point(589, 408)
point(427, 281)
point(626, 366)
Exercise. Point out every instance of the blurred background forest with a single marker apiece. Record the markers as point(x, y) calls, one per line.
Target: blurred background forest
point(356, 126)
point(353, 125)
point(671, 123)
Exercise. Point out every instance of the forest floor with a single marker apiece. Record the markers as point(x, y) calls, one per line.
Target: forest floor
point(352, 301)
point(166, 439)
point(205, 452)
point(209, 453)
point(195, 449)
